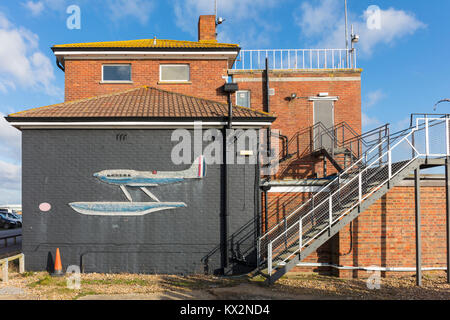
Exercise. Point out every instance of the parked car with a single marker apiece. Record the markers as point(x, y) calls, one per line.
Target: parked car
point(9, 220)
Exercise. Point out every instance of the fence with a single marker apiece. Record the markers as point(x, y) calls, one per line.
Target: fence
point(297, 59)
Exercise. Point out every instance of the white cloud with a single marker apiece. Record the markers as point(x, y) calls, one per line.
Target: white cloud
point(243, 23)
point(10, 175)
point(10, 188)
point(317, 20)
point(369, 122)
point(325, 22)
point(374, 97)
point(138, 9)
point(34, 7)
point(10, 169)
point(21, 62)
point(10, 141)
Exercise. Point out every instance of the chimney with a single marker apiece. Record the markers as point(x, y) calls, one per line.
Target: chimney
point(207, 28)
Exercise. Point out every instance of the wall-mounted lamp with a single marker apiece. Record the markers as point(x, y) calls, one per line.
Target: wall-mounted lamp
point(294, 96)
point(323, 94)
point(219, 20)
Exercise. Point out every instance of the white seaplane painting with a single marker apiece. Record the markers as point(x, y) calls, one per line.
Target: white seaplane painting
point(141, 179)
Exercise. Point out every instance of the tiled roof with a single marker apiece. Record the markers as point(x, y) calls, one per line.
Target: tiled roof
point(140, 102)
point(149, 43)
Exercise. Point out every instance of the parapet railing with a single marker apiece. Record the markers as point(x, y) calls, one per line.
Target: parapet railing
point(296, 59)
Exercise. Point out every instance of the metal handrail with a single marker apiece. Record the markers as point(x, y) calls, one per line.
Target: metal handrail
point(323, 188)
point(295, 59)
point(419, 127)
point(5, 238)
point(360, 163)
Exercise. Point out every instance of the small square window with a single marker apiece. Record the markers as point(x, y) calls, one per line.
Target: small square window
point(243, 98)
point(174, 72)
point(116, 72)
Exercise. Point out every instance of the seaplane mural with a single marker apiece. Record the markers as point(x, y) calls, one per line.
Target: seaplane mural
point(142, 179)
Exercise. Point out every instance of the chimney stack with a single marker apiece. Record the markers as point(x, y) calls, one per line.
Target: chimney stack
point(207, 28)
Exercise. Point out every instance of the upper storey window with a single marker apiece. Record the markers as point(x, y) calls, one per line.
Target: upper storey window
point(116, 73)
point(174, 73)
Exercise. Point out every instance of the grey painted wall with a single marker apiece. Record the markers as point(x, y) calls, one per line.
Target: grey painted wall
point(58, 167)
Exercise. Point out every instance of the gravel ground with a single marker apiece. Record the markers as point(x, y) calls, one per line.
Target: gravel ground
point(294, 286)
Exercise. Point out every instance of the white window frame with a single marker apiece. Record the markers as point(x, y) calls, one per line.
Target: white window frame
point(118, 65)
point(175, 65)
point(249, 97)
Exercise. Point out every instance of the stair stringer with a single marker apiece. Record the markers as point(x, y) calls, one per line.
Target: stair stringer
point(345, 220)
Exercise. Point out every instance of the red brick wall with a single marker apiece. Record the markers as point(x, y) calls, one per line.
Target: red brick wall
point(83, 77)
point(384, 235)
point(296, 115)
point(207, 27)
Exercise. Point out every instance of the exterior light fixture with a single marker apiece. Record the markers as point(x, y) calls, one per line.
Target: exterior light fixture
point(219, 20)
point(293, 96)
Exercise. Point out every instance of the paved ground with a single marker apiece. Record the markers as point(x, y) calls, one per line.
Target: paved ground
point(11, 247)
point(240, 292)
point(96, 286)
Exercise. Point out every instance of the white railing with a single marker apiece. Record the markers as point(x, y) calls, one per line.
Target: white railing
point(296, 59)
point(426, 139)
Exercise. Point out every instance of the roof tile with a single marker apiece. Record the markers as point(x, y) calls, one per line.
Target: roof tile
point(140, 102)
point(149, 43)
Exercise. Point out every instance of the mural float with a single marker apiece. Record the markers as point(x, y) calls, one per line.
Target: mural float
point(141, 179)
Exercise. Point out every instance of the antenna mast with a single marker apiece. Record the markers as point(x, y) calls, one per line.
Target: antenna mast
point(346, 33)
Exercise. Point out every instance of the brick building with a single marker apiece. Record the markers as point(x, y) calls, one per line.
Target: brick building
point(124, 99)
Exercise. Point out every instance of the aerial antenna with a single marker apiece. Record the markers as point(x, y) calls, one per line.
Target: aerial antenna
point(346, 32)
point(219, 20)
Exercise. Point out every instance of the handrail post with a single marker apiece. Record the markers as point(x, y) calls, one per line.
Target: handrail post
point(380, 148)
point(390, 164)
point(330, 209)
point(269, 258)
point(427, 138)
point(258, 253)
point(300, 237)
point(447, 136)
point(285, 232)
point(360, 187)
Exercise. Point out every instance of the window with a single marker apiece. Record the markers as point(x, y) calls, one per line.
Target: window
point(243, 98)
point(116, 73)
point(174, 72)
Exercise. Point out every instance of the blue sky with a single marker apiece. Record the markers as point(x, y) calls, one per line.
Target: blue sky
point(405, 62)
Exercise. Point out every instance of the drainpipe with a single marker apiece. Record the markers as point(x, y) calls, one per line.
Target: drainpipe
point(269, 133)
point(269, 146)
point(228, 88)
point(59, 65)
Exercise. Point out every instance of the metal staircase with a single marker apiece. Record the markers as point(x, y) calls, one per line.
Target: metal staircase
point(340, 144)
point(351, 192)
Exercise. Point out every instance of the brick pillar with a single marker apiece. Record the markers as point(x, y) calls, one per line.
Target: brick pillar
point(207, 28)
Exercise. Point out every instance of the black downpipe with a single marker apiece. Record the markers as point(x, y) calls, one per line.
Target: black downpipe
point(269, 132)
point(229, 88)
point(269, 146)
point(59, 65)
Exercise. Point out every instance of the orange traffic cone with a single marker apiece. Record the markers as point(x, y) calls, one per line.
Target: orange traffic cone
point(58, 266)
